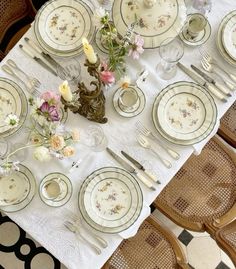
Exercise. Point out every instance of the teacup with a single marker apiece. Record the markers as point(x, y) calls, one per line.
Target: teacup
point(128, 98)
point(196, 24)
point(52, 189)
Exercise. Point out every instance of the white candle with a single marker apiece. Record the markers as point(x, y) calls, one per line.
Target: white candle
point(89, 52)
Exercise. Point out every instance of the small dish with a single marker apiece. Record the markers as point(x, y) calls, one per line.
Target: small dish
point(55, 189)
point(136, 110)
point(200, 39)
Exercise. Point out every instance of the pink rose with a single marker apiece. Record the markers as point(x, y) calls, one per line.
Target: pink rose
point(107, 77)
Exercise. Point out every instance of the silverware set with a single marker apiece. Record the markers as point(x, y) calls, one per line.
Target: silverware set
point(74, 223)
point(31, 83)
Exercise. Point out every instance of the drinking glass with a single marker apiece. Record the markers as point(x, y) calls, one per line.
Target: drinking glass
point(70, 70)
point(199, 6)
point(94, 138)
point(196, 23)
point(171, 50)
point(128, 99)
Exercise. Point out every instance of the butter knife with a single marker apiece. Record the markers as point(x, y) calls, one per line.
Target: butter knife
point(202, 82)
point(131, 169)
point(139, 166)
point(38, 60)
point(218, 85)
point(46, 56)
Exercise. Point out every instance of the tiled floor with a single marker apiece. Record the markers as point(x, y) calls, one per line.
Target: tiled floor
point(201, 250)
point(18, 249)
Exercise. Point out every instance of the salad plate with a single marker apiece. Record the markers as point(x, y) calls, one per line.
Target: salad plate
point(188, 87)
point(19, 189)
point(164, 20)
point(110, 200)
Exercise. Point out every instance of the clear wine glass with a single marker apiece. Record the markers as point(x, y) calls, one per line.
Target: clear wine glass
point(94, 137)
point(4, 148)
point(171, 50)
point(70, 70)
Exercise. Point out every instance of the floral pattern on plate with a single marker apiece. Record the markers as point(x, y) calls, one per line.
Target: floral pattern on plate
point(65, 25)
point(111, 199)
point(165, 19)
point(185, 113)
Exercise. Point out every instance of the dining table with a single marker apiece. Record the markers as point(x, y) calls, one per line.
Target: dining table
point(45, 223)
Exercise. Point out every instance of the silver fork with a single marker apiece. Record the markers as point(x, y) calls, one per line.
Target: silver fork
point(32, 81)
point(71, 227)
point(211, 60)
point(146, 132)
point(77, 221)
point(145, 144)
point(209, 68)
point(8, 70)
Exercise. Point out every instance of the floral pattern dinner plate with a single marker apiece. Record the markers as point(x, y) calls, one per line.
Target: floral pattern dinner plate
point(60, 26)
point(164, 20)
point(229, 36)
point(12, 101)
point(110, 200)
point(184, 112)
point(156, 119)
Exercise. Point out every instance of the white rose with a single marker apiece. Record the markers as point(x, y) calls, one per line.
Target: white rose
point(42, 154)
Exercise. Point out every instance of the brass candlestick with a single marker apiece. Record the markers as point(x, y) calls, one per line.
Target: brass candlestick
point(89, 103)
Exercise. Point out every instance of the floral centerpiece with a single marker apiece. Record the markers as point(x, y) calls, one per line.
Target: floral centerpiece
point(47, 135)
point(118, 47)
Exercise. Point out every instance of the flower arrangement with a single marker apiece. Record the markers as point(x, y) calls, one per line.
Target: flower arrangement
point(47, 135)
point(118, 47)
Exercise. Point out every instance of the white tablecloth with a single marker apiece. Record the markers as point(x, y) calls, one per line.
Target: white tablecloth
point(44, 223)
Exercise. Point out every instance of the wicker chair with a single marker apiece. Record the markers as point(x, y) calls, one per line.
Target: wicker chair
point(15, 18)
point(227, 128)
point(202, 195)
point(153, 247)
point(226, 239)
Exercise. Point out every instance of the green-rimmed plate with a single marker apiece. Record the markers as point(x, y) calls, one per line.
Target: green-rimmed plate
point(164, 20)
point(110, 200)
point(219, 40)
point(27, 194)
point(200, 90)
point(12, 101)
point(60, 26)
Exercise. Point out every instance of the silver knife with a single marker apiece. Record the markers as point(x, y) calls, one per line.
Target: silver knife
point(139, 166)
point(202, 82)
point(38, 60)
point(218, 85)
point(46, 56)
point(130, 168)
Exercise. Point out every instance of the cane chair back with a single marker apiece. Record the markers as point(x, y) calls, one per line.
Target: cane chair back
point(228, 126)
point(11, 12)
point(226, 239)
point(203, 190)
point(153, 247)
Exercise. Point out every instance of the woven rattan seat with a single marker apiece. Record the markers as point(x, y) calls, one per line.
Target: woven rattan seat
point(15, 16)
point(203, 190)
point(228, 126)
point(153, 247)
point(226, 239)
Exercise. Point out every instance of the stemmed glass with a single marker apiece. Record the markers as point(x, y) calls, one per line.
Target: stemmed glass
point(171, 50)
point(70, 70)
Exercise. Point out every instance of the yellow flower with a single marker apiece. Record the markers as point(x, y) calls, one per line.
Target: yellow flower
point(65, 91)
point(68, 151)
point(75, 135)
point(57, 142)
point(125, 82)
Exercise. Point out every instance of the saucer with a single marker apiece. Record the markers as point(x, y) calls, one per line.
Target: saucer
point(66, 189)
point(129, 113)
point(202, 37)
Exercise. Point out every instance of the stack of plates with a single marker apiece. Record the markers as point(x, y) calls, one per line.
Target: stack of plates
point(184, 113)
point(110, 200)
point(17, 189)
point(226, 38)
point(12, 101)
point(164, 20)
point(60, 26)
